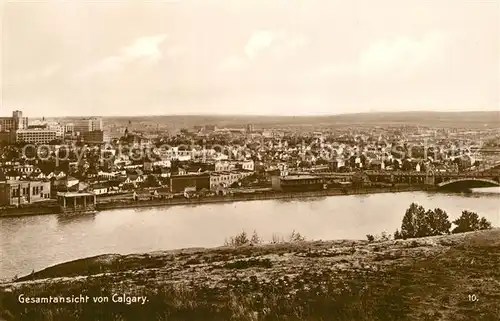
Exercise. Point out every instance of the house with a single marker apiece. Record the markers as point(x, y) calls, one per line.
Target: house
point(99, 189)
point(56, 175)
point(106, 175)
point(37, 176)
point(67, 182)
point(25, 169)
point(134, 179)
point(376, 164)
point(164, 172)
point(116, 184)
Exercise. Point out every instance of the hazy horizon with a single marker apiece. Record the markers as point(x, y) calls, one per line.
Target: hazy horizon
point(373, 113)
point(249, 58)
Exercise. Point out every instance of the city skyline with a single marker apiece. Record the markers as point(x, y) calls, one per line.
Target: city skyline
point(306, 59)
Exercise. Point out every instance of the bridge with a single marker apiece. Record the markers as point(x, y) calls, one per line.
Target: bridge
point(469, 182)
point(486, 177)
point(438, 179)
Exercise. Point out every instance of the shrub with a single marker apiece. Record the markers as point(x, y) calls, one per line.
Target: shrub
point(385, 237)
point(379, 238)
point(484, 224)
point(242, 239)
point(238, 240)
point(469, 221)
point(417, 222)
point(255, 238)
point(296, 237)
point(438, 221)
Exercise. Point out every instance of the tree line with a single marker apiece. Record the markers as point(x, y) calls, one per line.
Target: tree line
point(419, 222)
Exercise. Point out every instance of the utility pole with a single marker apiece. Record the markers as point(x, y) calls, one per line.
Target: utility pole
point(19, 195)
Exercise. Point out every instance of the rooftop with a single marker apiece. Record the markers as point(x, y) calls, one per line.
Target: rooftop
point(298, 177)
point(74, 194)
point(18, 181)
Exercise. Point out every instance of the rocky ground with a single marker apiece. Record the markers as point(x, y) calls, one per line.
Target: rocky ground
point(453, 277)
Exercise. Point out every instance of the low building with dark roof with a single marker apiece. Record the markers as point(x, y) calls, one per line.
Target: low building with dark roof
point(297, 183)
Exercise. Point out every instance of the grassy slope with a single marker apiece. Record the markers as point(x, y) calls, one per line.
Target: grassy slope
point(423, 279)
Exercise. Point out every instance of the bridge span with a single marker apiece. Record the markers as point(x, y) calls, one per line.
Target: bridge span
point(470, 179)
point(468, 182)
point(438, 179)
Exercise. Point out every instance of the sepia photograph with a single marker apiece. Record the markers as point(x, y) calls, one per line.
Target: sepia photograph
point(249, 160)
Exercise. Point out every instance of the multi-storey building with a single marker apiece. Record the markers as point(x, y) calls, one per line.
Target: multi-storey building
point(36, 136)
point(58, 128)
point(7, 137)
point(223, 166)
point(85, 125)
point(179, 183)
point(226, 179)
point(248, 165)
point(69, 128)
point(17, 121)
point(96, 137)
point(23, 192)
point(96, 124)
point(82, 125)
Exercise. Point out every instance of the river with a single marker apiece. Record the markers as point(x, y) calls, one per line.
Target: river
point(36, 242)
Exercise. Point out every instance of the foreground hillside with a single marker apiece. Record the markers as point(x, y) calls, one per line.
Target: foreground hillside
point(435, 278)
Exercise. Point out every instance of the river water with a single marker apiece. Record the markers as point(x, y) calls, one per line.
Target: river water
point(36, 242)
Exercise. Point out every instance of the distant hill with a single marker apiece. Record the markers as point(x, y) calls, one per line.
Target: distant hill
point(489, 119)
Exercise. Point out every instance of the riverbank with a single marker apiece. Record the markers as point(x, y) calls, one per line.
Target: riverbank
point(270, 195)
point(30, 211)
point(452, 277)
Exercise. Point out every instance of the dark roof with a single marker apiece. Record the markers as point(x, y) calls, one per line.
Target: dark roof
point(119, 179)
point(163, 190)
point(100, 185)
point(13, 173)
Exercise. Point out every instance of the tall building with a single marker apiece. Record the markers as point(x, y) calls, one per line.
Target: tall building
point(82, 125)
point(96, 137)
point(69, 128)
point(85, 125)
point(96, 124)
point(17, 121)
point(8, 137)
point(58, 128)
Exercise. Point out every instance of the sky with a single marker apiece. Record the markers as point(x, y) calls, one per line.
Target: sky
point(269, 57)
